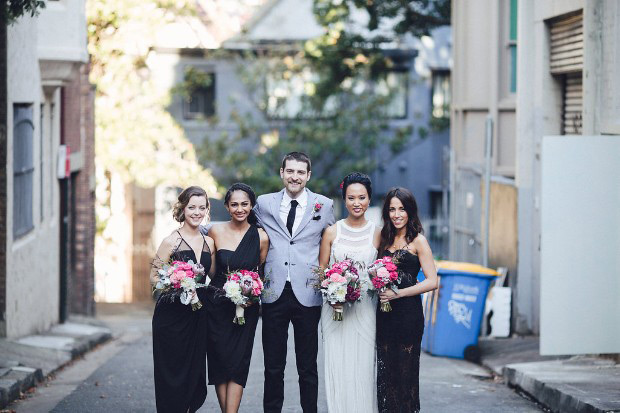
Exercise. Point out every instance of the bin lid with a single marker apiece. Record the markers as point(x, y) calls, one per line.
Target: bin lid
point(453, 267)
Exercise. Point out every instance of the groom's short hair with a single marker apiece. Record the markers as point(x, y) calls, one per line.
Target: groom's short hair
point(299, 157)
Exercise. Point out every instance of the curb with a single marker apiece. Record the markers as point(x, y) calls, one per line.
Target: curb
point(556, 395)
point(63, 342)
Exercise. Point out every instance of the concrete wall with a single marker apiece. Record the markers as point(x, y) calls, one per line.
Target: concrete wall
point(539, 114)
point(32, 283)
point(481, 89)
point(44, 53)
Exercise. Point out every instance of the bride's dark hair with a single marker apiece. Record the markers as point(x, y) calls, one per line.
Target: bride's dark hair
point(250, 192)
point(356, 178)
point(414, 226)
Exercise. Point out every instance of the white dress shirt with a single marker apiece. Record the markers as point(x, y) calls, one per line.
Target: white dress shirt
point(285, 207)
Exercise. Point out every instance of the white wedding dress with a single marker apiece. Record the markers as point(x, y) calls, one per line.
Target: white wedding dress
point(349, 345)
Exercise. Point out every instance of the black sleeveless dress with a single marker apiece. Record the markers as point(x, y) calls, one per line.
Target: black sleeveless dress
point(399, 337)
point(229, 346)
point(180, 345)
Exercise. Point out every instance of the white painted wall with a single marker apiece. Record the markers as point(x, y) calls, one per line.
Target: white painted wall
point(42, 52)
point(32, 260)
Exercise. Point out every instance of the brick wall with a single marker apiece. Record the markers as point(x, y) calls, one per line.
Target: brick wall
point(79, 129)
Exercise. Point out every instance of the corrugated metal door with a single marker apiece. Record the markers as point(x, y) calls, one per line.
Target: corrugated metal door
point(566, 61)
point(572, 104)
point(567, 45)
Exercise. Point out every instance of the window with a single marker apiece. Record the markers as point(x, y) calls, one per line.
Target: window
point(395, 84)
point(23, 169)
point(512, 46)
point(288, 96)
point(199, 93)
point(441, 94)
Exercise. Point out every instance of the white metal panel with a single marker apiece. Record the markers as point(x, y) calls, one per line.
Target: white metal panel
point(580, 245)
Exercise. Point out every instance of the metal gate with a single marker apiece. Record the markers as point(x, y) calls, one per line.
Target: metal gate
point(466, 213)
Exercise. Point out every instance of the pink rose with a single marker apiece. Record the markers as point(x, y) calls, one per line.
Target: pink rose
point(378, 283)
point(383, 273)
point(390, 266)
point(337, 278)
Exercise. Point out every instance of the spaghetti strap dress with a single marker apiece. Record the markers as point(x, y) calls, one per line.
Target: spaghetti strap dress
point(229, 345)
point(399, 338)
point(180, 344)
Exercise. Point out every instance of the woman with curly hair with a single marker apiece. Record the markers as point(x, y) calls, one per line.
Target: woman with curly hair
point(179, 333)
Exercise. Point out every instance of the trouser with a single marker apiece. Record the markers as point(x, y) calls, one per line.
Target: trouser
point(276, 317)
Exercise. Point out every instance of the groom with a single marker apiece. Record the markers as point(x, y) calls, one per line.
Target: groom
point(294, 219)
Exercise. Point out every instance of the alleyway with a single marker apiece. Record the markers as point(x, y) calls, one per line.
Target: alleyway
point(118, 377)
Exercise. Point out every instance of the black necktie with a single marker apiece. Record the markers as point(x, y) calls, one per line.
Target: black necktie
point(290, 220)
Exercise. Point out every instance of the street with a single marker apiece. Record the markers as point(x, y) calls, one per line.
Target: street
point(117, 376)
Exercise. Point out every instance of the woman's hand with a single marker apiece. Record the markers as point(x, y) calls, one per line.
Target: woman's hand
point(248, 304)
point(388, 295)
point(337, 305)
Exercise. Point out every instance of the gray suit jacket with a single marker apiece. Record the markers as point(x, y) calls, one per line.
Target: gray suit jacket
point(299, 252)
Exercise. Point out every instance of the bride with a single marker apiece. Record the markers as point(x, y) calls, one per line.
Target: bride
point(349, 345)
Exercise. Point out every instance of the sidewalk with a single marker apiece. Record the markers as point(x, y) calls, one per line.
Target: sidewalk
point(26, 361)
point(563, 384)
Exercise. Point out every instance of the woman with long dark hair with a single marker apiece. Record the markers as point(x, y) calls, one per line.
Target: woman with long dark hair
point(399, 332)
point(179, 333)
point(240, 245)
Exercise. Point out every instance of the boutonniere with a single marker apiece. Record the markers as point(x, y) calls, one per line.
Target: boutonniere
point(315, 211)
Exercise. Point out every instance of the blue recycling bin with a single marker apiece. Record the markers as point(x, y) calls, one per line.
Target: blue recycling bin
point(453, 313)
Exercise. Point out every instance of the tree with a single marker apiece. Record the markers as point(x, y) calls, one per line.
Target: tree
point(136, 135)
point(358, 32)
point(342, 126)
point(14, 9)
point(340, 136)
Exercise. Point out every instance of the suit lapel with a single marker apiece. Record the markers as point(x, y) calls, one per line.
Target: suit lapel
point(275, 210)
point(308, 214)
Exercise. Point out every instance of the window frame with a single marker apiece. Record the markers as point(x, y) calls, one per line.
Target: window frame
point(23, 168)
point(190, 115)
point(446, 73)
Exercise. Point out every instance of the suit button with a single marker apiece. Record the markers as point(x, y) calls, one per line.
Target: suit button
point(292, 242)
point(286, 263)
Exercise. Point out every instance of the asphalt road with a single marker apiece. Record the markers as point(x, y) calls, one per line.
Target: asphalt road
point(118, 377)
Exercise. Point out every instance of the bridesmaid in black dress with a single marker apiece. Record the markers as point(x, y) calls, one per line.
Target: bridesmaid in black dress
point(399, 332)
point(179, 333)
point(240, 245)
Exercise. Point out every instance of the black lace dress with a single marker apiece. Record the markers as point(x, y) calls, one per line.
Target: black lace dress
point(180, 344)
point(399, 336)
point(229, 347)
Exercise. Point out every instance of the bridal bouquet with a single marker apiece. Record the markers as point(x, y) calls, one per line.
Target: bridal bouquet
point(242, 287)
point(181, 279)
point(383, 275)
point(340, 284)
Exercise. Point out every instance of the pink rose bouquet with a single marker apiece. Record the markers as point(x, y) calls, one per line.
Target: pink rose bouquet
point(340, 284)
point(242, 287)
point(383, 275)
point(181, 279)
